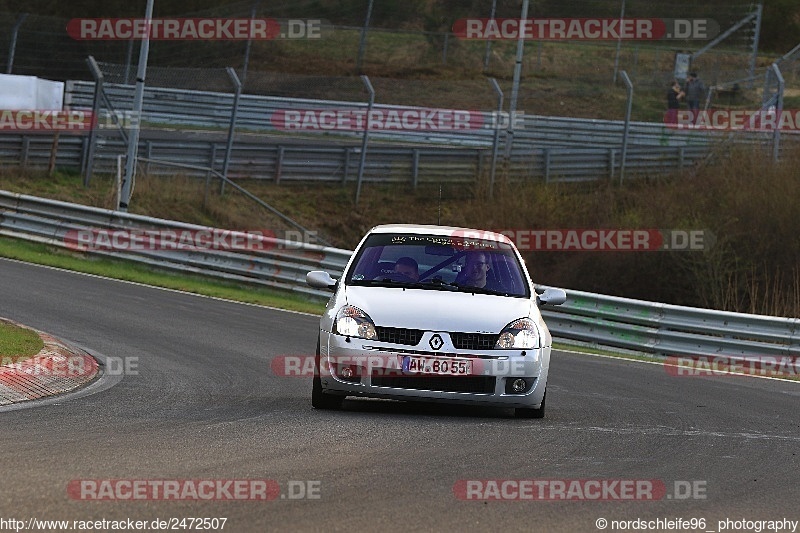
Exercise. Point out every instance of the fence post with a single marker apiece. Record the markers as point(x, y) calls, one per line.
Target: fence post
point(415, 167)
point(496, 139)
point(232, 127)
point(515, 86)
point(88, 162)
point(629, 85)
point(363, 41)
point(12, 48)
point(51, 166)
point(138, 97)
point(619, 44)
point(246, 62)
point(489, 42)
point(368, 123)
point(776, 136)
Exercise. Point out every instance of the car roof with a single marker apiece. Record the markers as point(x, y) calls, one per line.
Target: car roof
point(448, 231)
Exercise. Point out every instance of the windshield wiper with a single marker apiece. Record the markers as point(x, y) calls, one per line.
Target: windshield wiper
point(476, 290)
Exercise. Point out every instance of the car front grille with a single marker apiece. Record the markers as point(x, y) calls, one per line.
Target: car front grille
point(474, 341)
point(461, 341)
point(474, 384)
point(409, 337)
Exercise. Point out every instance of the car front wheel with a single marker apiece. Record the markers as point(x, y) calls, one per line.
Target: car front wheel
point(527, 412)
point(319, 399)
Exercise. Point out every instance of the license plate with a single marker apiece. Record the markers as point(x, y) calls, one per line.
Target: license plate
point(437, 365)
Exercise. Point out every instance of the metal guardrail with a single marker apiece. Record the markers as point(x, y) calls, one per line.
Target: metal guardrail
point(649, 327)
point(329, 163)
point(267, 261)
point(212, 110)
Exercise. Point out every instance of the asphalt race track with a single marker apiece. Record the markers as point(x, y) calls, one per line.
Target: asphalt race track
point(204, 404)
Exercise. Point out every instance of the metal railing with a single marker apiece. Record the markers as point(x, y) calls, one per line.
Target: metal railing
point(339, 164)
point(655, 328)
point(179, 107)
point(266, 261)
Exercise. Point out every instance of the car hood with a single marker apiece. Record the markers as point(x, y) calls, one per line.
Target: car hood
point(437, 310)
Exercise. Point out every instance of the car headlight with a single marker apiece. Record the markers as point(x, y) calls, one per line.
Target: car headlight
point(519, 334)
point(353, 322)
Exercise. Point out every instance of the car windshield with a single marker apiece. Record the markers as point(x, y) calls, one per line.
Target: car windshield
point(434, 262)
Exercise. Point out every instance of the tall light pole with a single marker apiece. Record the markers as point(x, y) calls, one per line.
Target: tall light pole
point(138, 97)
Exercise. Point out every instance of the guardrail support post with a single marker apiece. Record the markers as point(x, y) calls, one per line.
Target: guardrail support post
point(149, 152)
point(278, 164)
point(346, 170)
point(612, 163)
point(26, 148)
point(546, 156)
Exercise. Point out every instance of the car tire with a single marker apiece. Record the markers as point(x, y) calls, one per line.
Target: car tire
point(319, 399)
point(528, 412)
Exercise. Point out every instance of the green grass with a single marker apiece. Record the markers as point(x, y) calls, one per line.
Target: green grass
point(17, 343)
point(129, 271)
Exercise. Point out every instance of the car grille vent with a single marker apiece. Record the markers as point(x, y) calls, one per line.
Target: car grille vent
point(474, 341)
point(405, 336)
point(473, 384)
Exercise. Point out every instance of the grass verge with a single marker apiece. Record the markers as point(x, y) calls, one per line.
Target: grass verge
point(124, 270)
point(17, 343)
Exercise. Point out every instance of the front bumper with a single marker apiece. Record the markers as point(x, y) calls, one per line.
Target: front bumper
point(359, 367)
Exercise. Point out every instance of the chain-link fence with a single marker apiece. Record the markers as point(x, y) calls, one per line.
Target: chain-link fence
point(431, 51)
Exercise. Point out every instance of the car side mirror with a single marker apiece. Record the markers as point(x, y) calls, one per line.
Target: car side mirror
point(552, 296)
point(320, 280)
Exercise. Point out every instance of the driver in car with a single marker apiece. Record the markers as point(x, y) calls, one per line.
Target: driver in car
point(475, 270)
point(408, 267)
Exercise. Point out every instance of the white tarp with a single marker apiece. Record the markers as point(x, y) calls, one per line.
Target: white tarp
point(30, 92)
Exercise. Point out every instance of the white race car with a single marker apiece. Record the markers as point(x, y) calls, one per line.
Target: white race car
point(438, 314)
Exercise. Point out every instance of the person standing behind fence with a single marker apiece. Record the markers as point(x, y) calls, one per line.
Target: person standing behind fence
point(674, 96)
point(695, 90)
